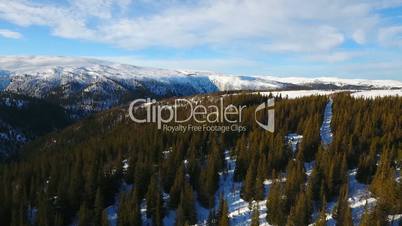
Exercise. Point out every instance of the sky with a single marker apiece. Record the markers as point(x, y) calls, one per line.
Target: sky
point(342, 38)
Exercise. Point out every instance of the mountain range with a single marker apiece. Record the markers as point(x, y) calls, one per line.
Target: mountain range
point(86, 85)
point(54, 91)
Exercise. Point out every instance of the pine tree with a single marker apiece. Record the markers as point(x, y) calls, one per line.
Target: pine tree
point(104, 220)
point(261, 175)
point(249, 183)
point(223, 214)
point(180, 217)
point(322, 218)
point(276, 205)
point(43, 217)
point(255, 218)
point(123, 218)
point(299, 214)
point(136, 209)
point(384, 185)
point(98, 207)
point(155, 201)
point(208, 183)
point(343, 213)
point(295, 179)
point(187, 203)
point(84, 216)
point(175, 190)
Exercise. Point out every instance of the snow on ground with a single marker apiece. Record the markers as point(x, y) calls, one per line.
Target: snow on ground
point(292, 94)
point(395, 219)
point(325, 130)
point(377, 93)
point(359, 197)
point(112, 210)
point(240, 211)
point(336, 81)
point(293, 139)
point(32, 214)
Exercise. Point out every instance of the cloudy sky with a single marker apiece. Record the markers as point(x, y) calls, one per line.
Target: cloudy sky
point(344, 38)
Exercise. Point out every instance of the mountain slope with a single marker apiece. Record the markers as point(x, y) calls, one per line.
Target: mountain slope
point(24, 118)
point(87, 85)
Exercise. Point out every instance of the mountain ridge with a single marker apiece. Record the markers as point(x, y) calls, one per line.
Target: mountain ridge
point(87, 85)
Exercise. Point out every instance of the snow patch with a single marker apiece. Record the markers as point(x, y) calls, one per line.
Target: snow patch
point(325, 130)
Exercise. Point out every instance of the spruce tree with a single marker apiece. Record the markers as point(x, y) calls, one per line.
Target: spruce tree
point(343, 213)
point(276, 205)
point(255, 217)
point(84, 217)
point(322, 218)
point(223, 214)
point(299, 214)
point(175, 190)
point(249, 183)
point(104, 220)
point(98, 210)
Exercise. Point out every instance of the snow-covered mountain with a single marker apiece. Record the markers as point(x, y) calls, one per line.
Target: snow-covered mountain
point(87, 85)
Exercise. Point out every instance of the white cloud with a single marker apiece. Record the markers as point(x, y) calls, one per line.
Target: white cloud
point(359, 37)
point(334, 57)
point(10, 34)
point(391, 36)
point(315, 27)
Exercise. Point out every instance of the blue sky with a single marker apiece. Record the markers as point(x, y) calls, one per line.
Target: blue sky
point(343, 38)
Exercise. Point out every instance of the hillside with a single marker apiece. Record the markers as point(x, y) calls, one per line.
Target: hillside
point(87, 85)
point(107, 170)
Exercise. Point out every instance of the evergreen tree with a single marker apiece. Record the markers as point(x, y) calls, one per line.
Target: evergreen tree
point(223, 214)
point(98, 210)
point(104, 220)
point(299, 214)
point(84, 216)
point(155, 201)
point(180, 217)
point(384, 185)
point(322, 218)
point(255, 218)
point(175, 190)
point(295, 180)
point(187, 203)
point(249, 183)
point(343, 213)
point(276, 205)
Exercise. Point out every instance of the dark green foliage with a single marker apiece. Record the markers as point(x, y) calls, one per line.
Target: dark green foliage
point(155, 201)
point(342, 213)
point(276, 203)
point(255, 218)
point(77, 173)
point(84, 215)
point(223, 213)
point(129, 210)
point(104, 219)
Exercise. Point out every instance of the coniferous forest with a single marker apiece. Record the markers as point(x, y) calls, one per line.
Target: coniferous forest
point(73, 176)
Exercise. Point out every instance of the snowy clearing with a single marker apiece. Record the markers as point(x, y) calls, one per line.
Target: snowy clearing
point(325, 130)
